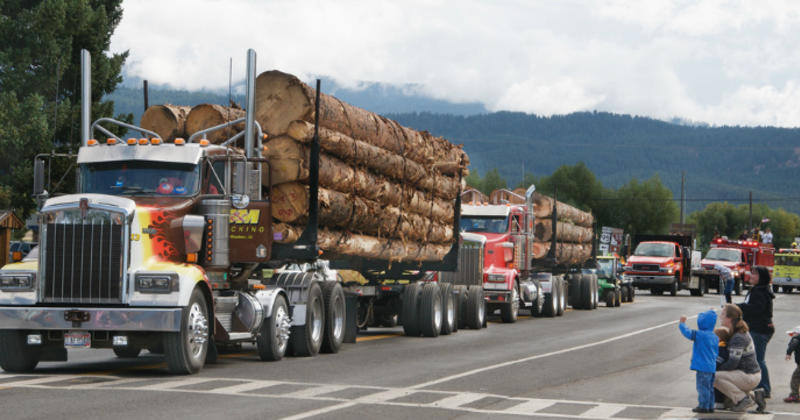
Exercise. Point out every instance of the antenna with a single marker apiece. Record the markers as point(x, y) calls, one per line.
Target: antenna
point(230, 82)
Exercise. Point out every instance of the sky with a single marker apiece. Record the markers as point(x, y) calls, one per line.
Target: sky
point(708, 61)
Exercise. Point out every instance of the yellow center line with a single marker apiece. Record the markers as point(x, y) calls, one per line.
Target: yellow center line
point(376, 337)
point(233, 355)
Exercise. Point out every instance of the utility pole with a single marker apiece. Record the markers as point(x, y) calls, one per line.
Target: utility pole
point(750, 227)
point(683, 196)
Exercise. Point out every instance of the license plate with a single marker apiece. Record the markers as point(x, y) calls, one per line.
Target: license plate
point(78, 339)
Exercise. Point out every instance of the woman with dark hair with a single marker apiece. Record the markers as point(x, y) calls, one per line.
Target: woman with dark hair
point(739, 375)
point(757, 313)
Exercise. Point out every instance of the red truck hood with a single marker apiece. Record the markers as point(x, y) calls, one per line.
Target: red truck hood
point(709, 263)
point(648, 260)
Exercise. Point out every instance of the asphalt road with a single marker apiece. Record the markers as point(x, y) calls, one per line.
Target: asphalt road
point(628, 362)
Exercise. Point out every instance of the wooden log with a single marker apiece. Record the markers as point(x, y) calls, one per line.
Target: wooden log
point(503, 196)
point(472, 196)
point(377, 159)
point(209, 115)
point(284, 233)
point(566, 253)
point(282, 98)
point(169, 121)
point(543, 207)
point(289, 201)
point(288, 161)
point(566, 232)
point(339, 210)
point(334, 243)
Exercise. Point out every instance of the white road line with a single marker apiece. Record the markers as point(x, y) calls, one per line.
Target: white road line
point(249, 386)
point(539, 356)
point(389, 394)
point(530, 407)
point(456, 401)
point(315, 391)
point(604, 411)
point(42, 380)
point(176, 384)
point(114, 383)
point(319, 411)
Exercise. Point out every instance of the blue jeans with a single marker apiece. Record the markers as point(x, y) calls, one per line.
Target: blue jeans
point(760, 342)
point(729, 289)
point(705, 389)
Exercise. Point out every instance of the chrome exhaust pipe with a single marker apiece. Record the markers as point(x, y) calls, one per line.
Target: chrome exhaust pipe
point(249, 116)
point(86, 95)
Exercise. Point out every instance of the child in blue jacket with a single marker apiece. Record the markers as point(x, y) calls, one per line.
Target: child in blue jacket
point(704, 357)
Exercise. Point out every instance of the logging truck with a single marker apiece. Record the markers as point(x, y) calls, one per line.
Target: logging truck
point(165, 244)
point(538, 253)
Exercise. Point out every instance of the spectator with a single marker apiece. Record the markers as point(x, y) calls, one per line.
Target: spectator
point(704, 358)
point(739, 375)
point(757, 313)
point(766, 236)
point(726, 281)
point(794, 347)
point(744, 236)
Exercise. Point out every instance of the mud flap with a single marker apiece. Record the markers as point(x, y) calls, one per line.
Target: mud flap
point(350, 317)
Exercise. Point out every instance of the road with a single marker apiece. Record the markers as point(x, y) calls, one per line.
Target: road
point(628, 362)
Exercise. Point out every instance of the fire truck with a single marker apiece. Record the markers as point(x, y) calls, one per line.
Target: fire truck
point(786, 272)
point(665, 263)
point(512, 278)
point(164, 247)
point(740, 256)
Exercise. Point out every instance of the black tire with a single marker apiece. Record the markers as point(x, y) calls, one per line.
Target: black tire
point(562, 296)
point(775, 288)
point(333, 297)
point(185, 351)
point(16, 356)
point(449, 312)
point(656, 291)
point(609, 298)
point(476, 308)
point(673, 288)
point(573, 290)
point(127, 352)
point(273, 336)
point(595, 292)
point(586, 301)
point(701, 286)
point(430, 320)
point(632, 292)
point(617, 298)
point(737, 286)
point(787, 289)
point(410, 313)
point(550, 307)
point(509, 311)
point(462, 303)
point(306, 340)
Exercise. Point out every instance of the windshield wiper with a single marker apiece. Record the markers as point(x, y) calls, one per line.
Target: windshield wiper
point(132, 189)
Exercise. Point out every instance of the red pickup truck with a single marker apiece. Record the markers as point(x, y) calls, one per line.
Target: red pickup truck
point(664, 263)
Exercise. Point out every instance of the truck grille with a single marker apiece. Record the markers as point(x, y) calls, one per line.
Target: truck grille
point(83, 263)
point(645, 267)
point(470, 267)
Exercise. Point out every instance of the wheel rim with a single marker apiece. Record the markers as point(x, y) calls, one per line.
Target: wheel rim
point(514, 301)
point(481, 310)
point(197, 329)
point(282, 328)
point(561, 300)
point(338, 318)
point(316, 321)
point(437, 314)
point(451, 311)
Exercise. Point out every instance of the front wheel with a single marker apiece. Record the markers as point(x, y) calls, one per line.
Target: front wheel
point(273, 337)
point(673, 288)
point(737, 287)
point(15, 354)
point(186, 350)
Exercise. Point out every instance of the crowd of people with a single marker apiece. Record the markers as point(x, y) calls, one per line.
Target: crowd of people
point(729, 360)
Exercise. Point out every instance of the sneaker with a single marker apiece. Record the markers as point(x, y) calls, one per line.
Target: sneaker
point(758, 396)
point(743, 405)
point(698, 410)
point(792, 398)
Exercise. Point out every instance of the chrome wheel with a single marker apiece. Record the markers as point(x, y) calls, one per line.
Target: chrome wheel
point(197, 328)
point(316, 321)
point(282, 328)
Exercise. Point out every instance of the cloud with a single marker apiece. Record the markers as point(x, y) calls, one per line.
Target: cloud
point(665, 59)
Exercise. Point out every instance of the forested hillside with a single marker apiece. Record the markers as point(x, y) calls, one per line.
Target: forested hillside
point(720, 162)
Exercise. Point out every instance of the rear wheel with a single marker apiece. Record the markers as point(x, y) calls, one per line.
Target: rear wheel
point(476, 308)
point(631, 293)
point(449, 321)
point(186, 350)
point(609, 298)
point(550, 308)
point(787, 289)
point(273, 337)
point(462, 302)
point(656, 291)
point(333, 297)
point(306, 340)
point(617, 297)
point(509, 312)
point(562, 298)
point(586, 301)
point(411, 297)
point(15, 354)
point(431, 310)
point(775, 288)
point(737, 286)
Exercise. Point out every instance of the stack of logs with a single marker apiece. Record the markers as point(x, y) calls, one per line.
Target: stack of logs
point(386, 191)
point(573, 231)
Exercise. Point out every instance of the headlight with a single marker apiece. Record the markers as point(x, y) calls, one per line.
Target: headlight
point(156, 282)
point(496, 277)
point(17, 281)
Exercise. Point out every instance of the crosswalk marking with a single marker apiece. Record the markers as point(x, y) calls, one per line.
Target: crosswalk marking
point(450, 400)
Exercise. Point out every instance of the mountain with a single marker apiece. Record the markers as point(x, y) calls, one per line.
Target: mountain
point(721, 163)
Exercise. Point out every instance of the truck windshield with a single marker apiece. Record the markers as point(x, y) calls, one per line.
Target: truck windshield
point(788, 260)
point(605, 268)
point(732, 255)
point(484, 224)
point(140, 178)
point(654, 250)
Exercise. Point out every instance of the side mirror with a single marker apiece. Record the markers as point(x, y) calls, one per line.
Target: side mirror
point(38, 177)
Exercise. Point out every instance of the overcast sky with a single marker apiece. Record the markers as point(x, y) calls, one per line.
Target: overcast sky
point(720, 62)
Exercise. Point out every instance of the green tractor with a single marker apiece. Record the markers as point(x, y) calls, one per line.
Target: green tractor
point(613, 289)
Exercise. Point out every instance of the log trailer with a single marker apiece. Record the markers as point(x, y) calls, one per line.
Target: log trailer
point(665, 263)
point(163, 248)
point(512, 275)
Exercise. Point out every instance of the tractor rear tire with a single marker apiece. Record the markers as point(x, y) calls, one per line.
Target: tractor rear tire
point(609, 298)
point(586, 300)
point(550, 308)
point(461, 303)
point(430, 320)
point(333, 297)
point(306, 340)
point(562, 296)
point(273, 338)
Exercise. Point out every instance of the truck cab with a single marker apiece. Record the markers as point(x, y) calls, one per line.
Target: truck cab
point(740, 256)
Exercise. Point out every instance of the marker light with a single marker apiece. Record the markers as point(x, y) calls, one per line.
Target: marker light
point(111, 141)
point(155, 141)
point(143, 142)
point(91, 142)
point(179, 141)
point(204, 142)
point(131, 141)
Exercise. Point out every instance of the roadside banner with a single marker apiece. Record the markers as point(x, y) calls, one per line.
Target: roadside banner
point(610, 240)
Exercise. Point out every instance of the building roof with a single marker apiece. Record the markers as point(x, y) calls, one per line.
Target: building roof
point(9, 220)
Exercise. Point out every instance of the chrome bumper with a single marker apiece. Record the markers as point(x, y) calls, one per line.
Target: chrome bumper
point(651, 280)
point(99, 319)
point(785, 281)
